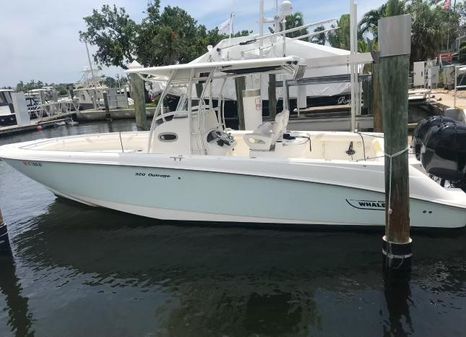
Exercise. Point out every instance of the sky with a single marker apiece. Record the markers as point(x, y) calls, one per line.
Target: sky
point(39, 39)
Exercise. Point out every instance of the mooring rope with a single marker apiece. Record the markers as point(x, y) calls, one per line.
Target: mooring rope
point(390, 210)
point(391, 156)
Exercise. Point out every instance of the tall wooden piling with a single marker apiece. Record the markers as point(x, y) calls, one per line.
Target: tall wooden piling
point(4, 241)
point(376, 97)
point(395, 48)
point(240, 85)
point(107, 107)
point(139, 98)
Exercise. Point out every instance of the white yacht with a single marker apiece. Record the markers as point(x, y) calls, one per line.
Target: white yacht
point(7, 114)
point(190, 167)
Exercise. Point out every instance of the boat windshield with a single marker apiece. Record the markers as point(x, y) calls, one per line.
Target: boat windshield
point(5, 98)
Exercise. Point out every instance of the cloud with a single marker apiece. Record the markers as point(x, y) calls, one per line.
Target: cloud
point(40, 39)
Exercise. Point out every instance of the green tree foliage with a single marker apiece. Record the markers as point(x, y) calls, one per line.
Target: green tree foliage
point(114, 34)
point(319, 38)
point(21, 86)
point(368, 26)
point(110, 82)
point(462, 53)
point(176, 35)
point(163, 37)
point(293, 21)
point(62, 88)
point(433, 29)
point(340, 38)
point(369, 23)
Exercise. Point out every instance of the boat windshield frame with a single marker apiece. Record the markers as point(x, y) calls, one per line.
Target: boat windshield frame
point(187, 76)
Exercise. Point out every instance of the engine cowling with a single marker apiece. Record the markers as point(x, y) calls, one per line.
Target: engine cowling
point(440, 144)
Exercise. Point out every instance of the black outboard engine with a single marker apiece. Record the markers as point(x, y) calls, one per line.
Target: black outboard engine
point(421, 130)
point(440, 145)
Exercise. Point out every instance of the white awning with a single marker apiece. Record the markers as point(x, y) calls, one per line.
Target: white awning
point(183, 71)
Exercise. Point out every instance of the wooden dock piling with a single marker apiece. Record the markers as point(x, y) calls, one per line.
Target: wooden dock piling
point(139, 98)
point(395, 48)
point(107, 107)
point(376, 98)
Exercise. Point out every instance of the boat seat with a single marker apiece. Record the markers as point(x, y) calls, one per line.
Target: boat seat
point(264, 137)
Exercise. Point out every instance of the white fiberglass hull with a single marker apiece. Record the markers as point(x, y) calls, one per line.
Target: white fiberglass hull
point(208, 188)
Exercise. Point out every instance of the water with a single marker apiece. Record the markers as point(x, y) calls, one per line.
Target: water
point(82, 271)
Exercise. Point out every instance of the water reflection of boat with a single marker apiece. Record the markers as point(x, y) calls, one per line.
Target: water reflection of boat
point(17, 306)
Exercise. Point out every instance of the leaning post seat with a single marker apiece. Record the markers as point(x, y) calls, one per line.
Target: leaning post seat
point(264, 137)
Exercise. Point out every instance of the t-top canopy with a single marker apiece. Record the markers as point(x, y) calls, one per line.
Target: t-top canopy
point(238, 67)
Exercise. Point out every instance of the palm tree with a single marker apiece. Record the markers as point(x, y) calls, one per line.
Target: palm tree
point(293, 21)
point(370, 21)
point(433, 28)
point(340, 38)
point(319, 38)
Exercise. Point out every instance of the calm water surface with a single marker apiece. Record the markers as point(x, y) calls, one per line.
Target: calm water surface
point(82, 271)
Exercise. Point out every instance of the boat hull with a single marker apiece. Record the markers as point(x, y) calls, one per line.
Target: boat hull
point(180, 193)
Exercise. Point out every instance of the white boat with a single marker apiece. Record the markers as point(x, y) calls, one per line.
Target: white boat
point(89, 92)
point(7, 114)
point(189, 167)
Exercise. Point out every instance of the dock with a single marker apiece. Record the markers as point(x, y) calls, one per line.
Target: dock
point(325, 109)
point(84, 116)
point(446, 99)
point(36, 124)
point(92, 115)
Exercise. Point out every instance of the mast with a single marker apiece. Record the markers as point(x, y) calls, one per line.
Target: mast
point(92, 74)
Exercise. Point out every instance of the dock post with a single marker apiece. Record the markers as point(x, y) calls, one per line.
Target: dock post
point(395, 49)
point(376, 97)
point(107, 107)
point(240, 85)
point(138, 96)
point(272, 95)
point(4, 241)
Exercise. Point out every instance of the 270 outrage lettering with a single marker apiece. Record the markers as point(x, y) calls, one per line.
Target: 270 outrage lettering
point(152, 175)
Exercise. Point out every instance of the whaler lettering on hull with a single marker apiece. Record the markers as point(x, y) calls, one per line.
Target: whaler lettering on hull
point(31, 163)
point(372, 205)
